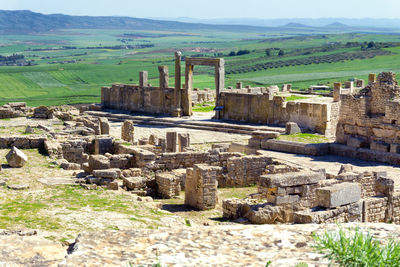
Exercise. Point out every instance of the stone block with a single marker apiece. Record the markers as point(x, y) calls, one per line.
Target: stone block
point(113, 185)
point(291, 179)
point(183, 141)
point(107, 173)
point(16, 158)
point(171, 141)
point(168, 185)
point(103, 145)
point(338, 195)
point(134, 183)
point(98, 162)
point(292, 128)
point(127, 131)
point(380, 146)
point(355, 142)
point(104, 126)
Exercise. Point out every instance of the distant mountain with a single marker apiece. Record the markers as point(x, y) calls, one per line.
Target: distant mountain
point(321, 22)
point(296, 25)
point(24, 21)
point(337, 25)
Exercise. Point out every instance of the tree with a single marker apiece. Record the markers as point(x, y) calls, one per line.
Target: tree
point(232, 54)
point(268, 52)
point(371, 45)
point(281, 53)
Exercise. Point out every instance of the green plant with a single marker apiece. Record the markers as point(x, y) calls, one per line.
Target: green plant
point(354, 248)
point(268, 264)
point(301, 264)
point(295, 97)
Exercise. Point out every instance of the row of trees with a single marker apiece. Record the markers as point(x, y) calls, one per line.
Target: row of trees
point(12, 58)
point(268, 52)
point(337, 57)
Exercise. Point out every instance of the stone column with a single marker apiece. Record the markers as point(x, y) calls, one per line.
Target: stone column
point(127, 131)
point(187, 93)
point(176, 102)
point(219, 78)
point(284, 88)
point(143, 79)
point(104, 126)
point(183, 141)
point(162, 143)
point(164, 76)
point(337, 88)
point(372, 78)
point(171, 141)
point(239, 85)
point(143, 82)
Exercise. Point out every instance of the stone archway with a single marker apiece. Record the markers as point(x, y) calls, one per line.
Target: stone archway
point(219, 65)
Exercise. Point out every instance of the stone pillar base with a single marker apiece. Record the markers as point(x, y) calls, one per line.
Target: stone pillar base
point(176, 112)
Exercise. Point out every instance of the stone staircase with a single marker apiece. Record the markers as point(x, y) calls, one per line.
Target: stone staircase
point(198, 123)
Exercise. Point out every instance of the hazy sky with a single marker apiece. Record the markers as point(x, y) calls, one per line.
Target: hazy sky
point(214, 8)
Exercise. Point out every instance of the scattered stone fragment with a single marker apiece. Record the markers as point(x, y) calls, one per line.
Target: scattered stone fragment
point(292, 128)
point(18, 186)
point(16, 158)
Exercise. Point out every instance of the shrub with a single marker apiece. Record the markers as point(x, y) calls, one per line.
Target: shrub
point(357, 249)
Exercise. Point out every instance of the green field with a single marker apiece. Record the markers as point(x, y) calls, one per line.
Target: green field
point(71, 66)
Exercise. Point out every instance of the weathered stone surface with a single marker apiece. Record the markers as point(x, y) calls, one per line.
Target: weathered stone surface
point(103, 145)
point(133, 183)
point(201, 186)
point(98, 162)
point(292, 128)
point(127, 131)
point(291, 179)
point(338, 195)
point(268, 214)
point(108, 173)
point(18, 186)
point(70, 166)
point(355, 142)
point(28, 249)
point(345, 168)
point(16, 158)
point(43, 112)
point(343, 214)
point(56, 181)
point(104, 126)
point(168, 185)
point(183, 141)
point(171, 141)
point(113, 185)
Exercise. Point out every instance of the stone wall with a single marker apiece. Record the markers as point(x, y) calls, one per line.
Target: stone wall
point(270, 109)
point(135, 98)
point(201, 186)
point(369, 119)
point(22, 142)
point(245, 171)
point(189, 159)
point(374, 209)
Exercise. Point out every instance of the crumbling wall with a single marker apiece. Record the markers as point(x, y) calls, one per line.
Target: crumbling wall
point(135, 98)
point(201, 186)
point(369, 119)
point(269, 109)
point(244, 171)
